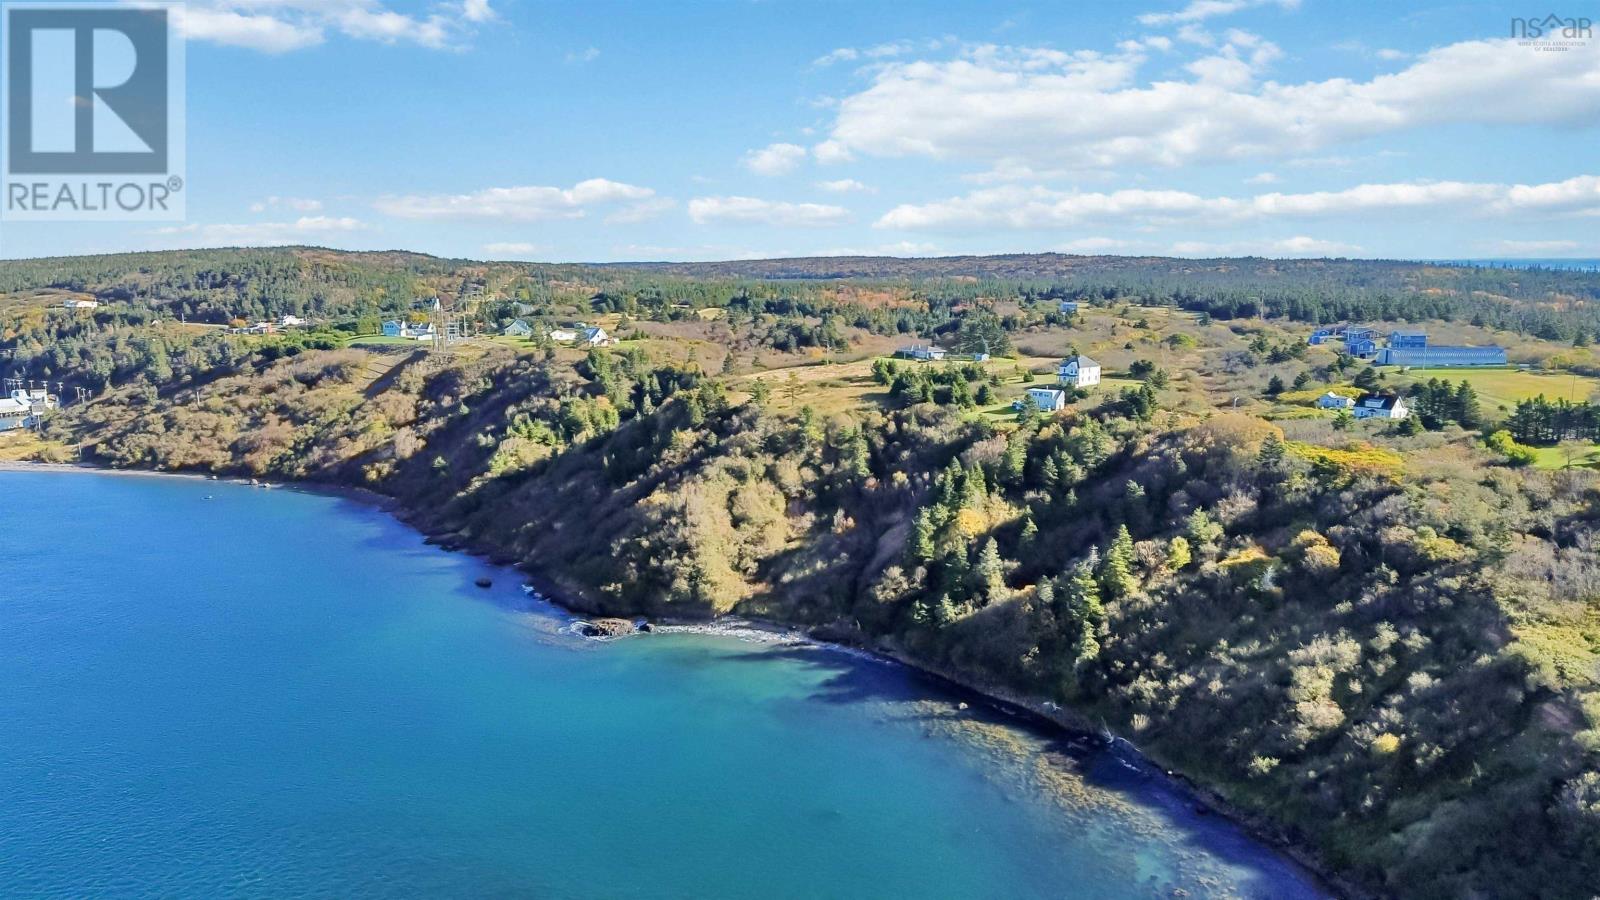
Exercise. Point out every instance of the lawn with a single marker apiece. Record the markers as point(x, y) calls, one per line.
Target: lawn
point(1586, 456)
point(375, 340)
point(1504, 387)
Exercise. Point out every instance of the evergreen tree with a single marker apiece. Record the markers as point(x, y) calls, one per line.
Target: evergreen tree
point(1014, 464)
point(990, 572)
point(1468, 413)
point(1116, 570)
point(1080, 613)
point(922, 534)
point(1272, 452)
point(1275, 386)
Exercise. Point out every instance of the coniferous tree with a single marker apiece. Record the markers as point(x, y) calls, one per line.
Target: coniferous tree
point(1116, 570)
point(990, 572)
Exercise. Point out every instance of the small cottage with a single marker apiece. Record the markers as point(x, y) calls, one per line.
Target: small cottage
point(926, 353)
point(1381, 406)
point(1047, 399)
point(518, 329)
point(1330, 400)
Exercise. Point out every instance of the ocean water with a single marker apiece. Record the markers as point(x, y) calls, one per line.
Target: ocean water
point(211, 690)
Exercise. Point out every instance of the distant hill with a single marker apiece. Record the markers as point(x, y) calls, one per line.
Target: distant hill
point(1013, 265)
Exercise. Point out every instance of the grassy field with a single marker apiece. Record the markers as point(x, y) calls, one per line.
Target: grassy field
point(1504, 387)
point(1585, 456)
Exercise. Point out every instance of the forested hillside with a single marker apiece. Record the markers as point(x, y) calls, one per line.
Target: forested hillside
point(1383, 638)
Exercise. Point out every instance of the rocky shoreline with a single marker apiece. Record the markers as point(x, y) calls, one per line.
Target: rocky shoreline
point(590, 623)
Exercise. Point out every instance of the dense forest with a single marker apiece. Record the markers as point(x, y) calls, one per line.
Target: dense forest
point(1384, 641)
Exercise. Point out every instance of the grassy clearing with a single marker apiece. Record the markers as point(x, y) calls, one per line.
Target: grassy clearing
point(1504, 387)
point(1585, 455)
point(378, 340)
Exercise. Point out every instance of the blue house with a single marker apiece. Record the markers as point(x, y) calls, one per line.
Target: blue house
point(1408, 340)
point(1361, 342)
point(394, 328)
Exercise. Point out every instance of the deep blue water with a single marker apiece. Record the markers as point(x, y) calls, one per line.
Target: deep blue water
point(211, 690)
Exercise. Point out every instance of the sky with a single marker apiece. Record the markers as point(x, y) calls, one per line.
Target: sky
point(609, 131)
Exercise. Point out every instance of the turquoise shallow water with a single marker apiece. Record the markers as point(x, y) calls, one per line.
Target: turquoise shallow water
point(210, 690)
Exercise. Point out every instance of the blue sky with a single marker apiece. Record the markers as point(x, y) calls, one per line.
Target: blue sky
point(622, 131)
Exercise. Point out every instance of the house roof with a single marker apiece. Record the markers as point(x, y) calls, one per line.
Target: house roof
point(1378, 401)
point(1082, 361)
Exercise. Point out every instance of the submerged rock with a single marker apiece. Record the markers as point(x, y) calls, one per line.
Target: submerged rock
point(484, 582)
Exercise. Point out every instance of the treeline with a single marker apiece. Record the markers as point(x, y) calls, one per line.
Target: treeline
point(881, 296)
point(1545, 422)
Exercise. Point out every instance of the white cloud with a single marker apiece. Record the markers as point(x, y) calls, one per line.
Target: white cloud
point(1262, 178)
point(477, 11)
point(1294, 246)
point(1045, 109)
point(511, 249)
point(256, 32)
point(515, 204)
point(886, 50)
point(1200, 10)
point(306, 229)
point(829, 152)
point(1019, 207)
point(279, 26)
point(845, 186)
point(297, 204)
point(749, 210)
point(643, 211)
point(774, 159)
point(586, 55)
point(1392, 55)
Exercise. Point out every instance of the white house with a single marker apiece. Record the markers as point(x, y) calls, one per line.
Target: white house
point(595, 337)
point(1047, 399)
point(1381, 406)
point(23, 408)
point(1330, 400)
point(291, 322)
point(1078, 371)
point(75, 303)
point(402, 329)
point(924, 353)
point(518, 329)
point(563, 335)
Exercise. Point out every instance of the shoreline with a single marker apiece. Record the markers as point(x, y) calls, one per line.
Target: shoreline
point(1040, 714)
